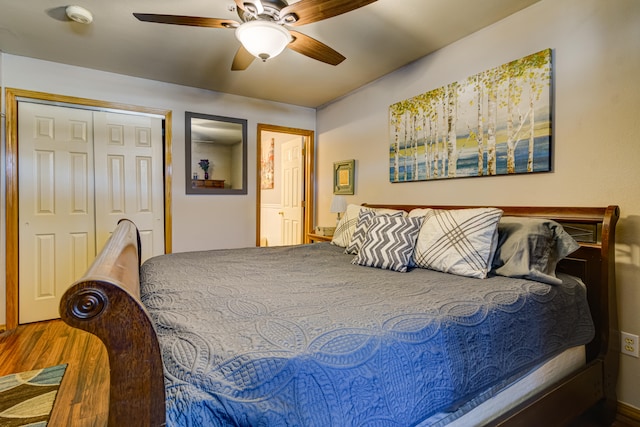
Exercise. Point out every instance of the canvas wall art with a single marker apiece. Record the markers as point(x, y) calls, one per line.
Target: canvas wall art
point(267, 166)
point(496, 122)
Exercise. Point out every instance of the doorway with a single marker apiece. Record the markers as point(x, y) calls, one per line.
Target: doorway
point(13, 97)
point(285, 188)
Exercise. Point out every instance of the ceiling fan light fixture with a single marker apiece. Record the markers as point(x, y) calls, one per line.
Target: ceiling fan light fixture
point(263, 39)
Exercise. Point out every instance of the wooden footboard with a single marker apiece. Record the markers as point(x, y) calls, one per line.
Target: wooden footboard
point(106, 303)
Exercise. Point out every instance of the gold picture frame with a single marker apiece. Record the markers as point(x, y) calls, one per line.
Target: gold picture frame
point(343, 177)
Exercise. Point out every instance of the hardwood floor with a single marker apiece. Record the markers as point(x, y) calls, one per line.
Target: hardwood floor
point(83, 397)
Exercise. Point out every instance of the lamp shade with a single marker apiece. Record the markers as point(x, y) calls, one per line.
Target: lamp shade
point(263, 39)
point(338, 204)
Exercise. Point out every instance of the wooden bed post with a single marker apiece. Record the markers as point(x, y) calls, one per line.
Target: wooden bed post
point(109, 295)
point(611, 342)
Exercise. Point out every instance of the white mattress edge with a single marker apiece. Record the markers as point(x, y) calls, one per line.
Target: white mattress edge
point(548, 373)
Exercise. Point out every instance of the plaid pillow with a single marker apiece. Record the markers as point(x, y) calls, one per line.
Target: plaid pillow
point(459, 241)
point(347, 225)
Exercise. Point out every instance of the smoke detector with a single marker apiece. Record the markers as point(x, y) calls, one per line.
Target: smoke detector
point(79, 14)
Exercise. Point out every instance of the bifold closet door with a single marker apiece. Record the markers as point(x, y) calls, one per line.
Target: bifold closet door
point(129, 177)
point(80, 172)
point(56, 205)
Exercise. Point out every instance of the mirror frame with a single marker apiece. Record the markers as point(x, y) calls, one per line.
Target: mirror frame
point(188, 149)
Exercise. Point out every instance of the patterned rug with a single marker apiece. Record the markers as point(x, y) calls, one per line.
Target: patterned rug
point(26, 398)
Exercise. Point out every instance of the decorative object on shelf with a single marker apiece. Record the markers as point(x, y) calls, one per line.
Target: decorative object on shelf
point(325, 231)
point(338, 205)
point(497, 122)
point(343, 174)
point(204, 164)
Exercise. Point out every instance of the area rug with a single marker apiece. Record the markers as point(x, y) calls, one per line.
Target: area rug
point(26, 398)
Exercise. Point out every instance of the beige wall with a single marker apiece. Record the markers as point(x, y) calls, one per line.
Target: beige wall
point(596, 162)
point(199, 221)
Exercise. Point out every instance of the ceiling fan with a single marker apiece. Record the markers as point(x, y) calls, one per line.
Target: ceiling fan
point(263, 31)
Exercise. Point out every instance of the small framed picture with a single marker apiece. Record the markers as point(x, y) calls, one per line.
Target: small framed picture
point(343, 173)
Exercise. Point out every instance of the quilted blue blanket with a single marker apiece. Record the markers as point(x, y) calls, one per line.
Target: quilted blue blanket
point(298, 336)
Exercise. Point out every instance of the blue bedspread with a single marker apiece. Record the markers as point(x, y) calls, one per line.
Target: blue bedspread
point(298, 336)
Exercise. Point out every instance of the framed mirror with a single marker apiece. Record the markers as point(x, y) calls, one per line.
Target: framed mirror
point(216, 154)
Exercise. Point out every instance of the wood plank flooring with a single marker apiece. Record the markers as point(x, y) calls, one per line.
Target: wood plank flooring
point(83, 397)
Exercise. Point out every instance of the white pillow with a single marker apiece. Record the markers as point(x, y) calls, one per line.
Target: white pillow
point(346, 226)
point(419, 212)
point(389, 242)
point(458, 241)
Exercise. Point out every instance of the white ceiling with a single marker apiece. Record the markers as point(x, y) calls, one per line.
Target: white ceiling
point(376, 39)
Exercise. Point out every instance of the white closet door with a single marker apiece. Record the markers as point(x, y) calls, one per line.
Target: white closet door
point(291, 196)
point(56, 206)
point(129, 177)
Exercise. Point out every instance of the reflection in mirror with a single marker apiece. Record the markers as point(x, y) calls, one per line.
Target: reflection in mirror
point(216, 154)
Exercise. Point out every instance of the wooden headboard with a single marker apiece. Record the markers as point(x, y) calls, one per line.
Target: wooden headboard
point(594, 228)
point(106, 303)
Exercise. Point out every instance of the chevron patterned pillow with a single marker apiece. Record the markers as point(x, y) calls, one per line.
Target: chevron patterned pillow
point(389, 242)
point(362, 226)
point(347, 224)
point(458, 241)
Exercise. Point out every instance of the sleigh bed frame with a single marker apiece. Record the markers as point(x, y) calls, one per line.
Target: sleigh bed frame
point(106, 303)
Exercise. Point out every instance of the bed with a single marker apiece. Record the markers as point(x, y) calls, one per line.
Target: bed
point(227, 337)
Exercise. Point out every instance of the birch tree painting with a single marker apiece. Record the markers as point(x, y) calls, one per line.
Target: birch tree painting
point(496, 122)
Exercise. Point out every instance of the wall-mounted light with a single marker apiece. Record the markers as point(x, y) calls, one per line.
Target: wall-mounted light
point(263, 39)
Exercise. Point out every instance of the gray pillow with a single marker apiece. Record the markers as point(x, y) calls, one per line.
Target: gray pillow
point(531, 248)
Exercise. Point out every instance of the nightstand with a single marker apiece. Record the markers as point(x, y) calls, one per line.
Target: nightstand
point(318, 238)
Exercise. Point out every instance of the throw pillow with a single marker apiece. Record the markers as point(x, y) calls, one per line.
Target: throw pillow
point(389, 242)
point(458, 241)
point(531, 248)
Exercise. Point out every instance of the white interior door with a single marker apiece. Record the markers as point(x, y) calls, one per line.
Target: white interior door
point(56, 206)
point(291, 200)
point(129, 177)
point(80, 171)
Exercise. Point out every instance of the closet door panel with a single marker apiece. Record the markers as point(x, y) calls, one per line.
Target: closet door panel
point(129, 169)
point(55, 179)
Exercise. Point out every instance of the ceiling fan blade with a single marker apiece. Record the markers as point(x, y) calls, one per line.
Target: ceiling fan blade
point(193, 21)
point(240, 4)
point(314, 49)
point(242, 60)
point(308, 11)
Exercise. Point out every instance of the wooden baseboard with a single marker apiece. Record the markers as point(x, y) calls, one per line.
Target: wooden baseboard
point(628, 414)
point(3, 328)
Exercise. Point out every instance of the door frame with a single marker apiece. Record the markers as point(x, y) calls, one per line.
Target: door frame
point(309, 176)
point(12, 96)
